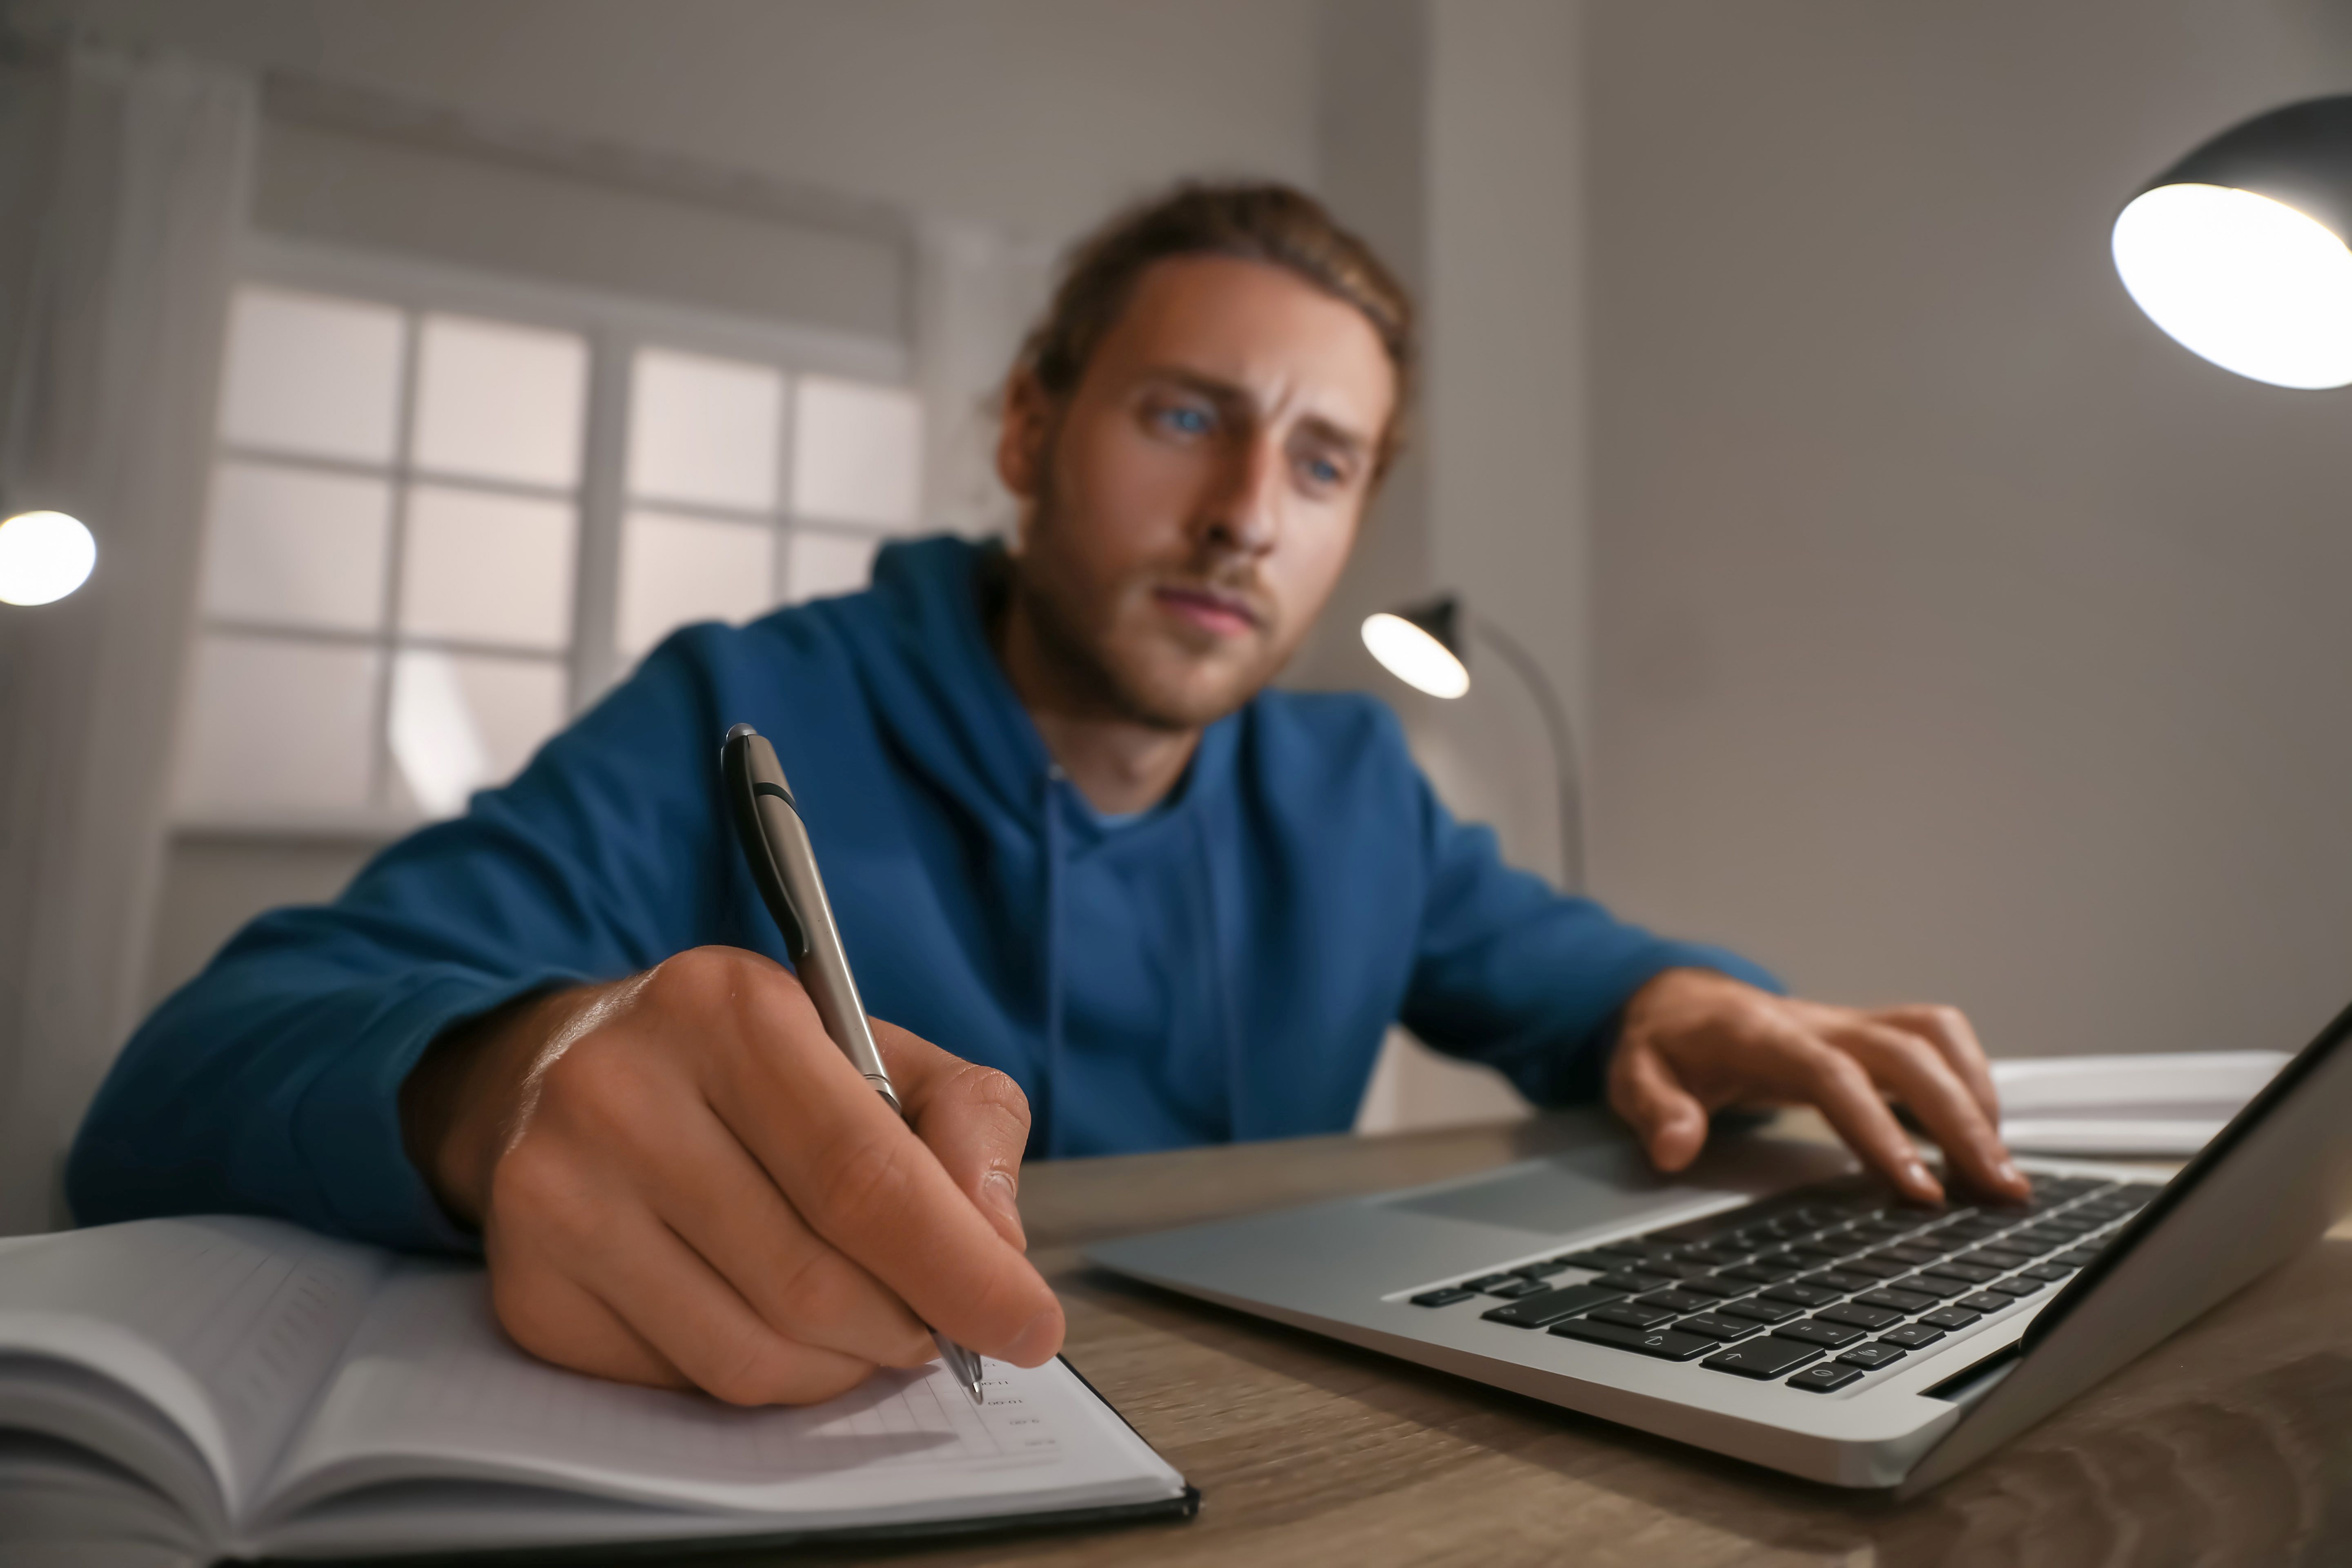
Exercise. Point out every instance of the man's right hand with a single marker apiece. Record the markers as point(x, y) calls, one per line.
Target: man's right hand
point(680, 1180)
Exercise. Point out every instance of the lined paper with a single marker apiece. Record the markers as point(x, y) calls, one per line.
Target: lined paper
point(431, 1387)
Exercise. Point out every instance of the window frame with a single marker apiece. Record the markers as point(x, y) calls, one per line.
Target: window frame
point(613, 327)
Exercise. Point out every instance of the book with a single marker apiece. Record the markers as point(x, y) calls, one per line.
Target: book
point(178, 1391)
point(2168, 1104)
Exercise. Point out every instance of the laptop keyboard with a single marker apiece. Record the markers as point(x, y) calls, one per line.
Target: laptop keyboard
point(1818, 1287)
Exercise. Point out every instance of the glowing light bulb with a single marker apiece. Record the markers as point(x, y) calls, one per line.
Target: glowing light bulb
point(1414, 657)
point(44, 556)
point(2247, 282)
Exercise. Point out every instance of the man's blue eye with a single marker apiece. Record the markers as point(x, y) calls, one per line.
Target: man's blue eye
point(1187, 421)
point(1323, 471)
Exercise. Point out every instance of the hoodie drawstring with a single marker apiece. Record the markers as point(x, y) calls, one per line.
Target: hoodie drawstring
point(1218, 980)
point(1052, 1073)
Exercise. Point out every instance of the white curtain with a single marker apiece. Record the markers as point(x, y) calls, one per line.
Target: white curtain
point(123, 188)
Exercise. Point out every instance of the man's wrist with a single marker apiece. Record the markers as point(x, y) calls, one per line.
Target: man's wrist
point(457, 1106)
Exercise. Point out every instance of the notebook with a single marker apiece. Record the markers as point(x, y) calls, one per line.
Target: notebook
point(2169, 1105)
point(176, 1391)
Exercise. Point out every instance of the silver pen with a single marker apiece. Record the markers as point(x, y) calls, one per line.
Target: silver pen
point(783, 864)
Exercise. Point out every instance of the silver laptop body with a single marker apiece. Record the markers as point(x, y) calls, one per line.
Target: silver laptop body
point(2042, 1303)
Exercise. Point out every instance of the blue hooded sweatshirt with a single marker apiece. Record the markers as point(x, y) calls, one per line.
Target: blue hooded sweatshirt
point(1221, 968)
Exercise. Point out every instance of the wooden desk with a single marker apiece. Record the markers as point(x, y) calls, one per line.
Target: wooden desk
point(2230, 1443)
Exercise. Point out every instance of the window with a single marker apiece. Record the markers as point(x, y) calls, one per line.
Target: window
point(427, 543)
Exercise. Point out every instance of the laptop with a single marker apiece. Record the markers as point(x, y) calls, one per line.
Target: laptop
point(1775, 1304)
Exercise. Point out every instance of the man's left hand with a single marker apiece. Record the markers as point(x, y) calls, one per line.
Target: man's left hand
point(1694, 1041)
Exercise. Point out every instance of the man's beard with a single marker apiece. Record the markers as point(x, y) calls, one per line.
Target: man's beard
point(1062, 633)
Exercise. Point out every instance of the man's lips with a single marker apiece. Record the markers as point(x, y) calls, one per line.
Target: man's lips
point(1228, 615)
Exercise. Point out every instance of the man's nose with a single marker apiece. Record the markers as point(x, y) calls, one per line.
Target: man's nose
point(1243, 513)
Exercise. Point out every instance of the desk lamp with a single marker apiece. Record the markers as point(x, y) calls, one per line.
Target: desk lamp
point(1427, 645)
point(2238, 251)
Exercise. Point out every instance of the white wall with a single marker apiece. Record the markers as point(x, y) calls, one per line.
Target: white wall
point(1032, 115)
point(1960, 637)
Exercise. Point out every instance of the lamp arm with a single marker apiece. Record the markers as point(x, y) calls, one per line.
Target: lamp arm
point(1563, 746)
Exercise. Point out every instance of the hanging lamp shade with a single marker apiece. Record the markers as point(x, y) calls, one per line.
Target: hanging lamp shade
point(2239, 251)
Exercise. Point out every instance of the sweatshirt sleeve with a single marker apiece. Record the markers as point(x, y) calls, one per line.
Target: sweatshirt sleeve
point(269, 1084)
point(1510, 973)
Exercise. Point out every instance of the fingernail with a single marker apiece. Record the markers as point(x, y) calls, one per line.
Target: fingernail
point(998, 1191)
point(1915, 1177)
point(2008, 1172)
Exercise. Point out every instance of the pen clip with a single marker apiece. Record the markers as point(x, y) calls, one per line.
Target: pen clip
point(741, 766)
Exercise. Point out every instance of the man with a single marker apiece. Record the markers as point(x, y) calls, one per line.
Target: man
point(1113, 892)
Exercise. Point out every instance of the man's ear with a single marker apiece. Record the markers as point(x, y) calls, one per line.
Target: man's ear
point(1023, 436)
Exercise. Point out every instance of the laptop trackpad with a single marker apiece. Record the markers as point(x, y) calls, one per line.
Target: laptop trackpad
point(1575, 1191)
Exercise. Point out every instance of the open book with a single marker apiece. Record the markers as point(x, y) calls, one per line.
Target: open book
point(173, 1391)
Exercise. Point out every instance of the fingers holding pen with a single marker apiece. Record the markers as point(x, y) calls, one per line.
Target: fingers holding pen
point(867, 1184)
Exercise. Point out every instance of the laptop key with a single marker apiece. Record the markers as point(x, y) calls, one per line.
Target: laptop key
point(1797, 1293)
point(1859, 1316)
point(1446, 1295)
point(1763, 1357)
point(1873, 1355)
point(1677, 1301)
point(1515, 1288)
point(1757, 1273)
point(1997, 1260)
point(1629, 1282)
point(1542, 1311)
point(1715, 1287)
point(2080, 1257)
point(1666, 1344)
point(1762, 1311)
point(1600, 1262)
point(1913, 1255)
point(1974, 1273)
point(1935, 1285)
point(1876, 1268)
point(1839, 1280)
point(1911, 1336)
point(2015, 1287)
point(1716, 1326)
point(2052, 1272)
point(1487, 1281)
point(1543, 1271)
point(1950, 1317)
point(1813, 1331)
point(1904, 1301)
point(1627, 1315)
point(1826, 1378)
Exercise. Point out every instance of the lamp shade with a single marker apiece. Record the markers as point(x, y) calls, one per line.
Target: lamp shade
point(2239, 251)
point(1421, 646)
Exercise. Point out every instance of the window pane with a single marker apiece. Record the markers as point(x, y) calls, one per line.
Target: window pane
point(858, 452)
point(677, 570)
point(297, 548)
point(461, 723)
point(500, 401)
point(313, 374)
point(705, 430)
point(275, 727)
point(488, 568)
point(819, 564)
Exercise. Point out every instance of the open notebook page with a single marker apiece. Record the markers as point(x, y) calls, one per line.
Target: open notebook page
point(225, 1323)
point(431, 1389)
